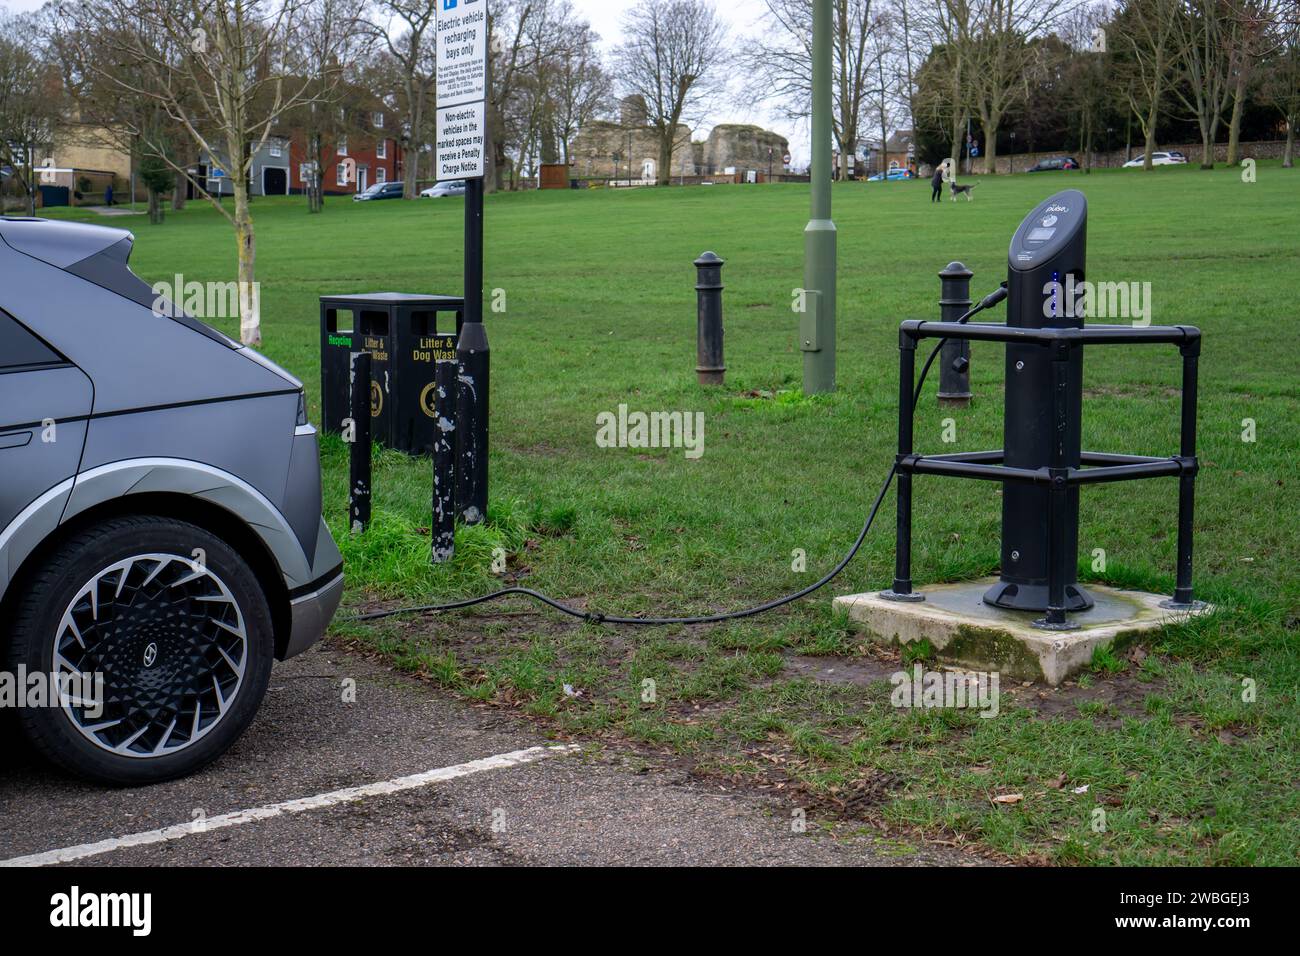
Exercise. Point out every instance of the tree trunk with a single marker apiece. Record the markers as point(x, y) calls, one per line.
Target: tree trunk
point(1150, 131)
point(1288, 154)
point(663, 175)
point(410, 184)
point(155, 207)
point(1085, 143)
point(884, 153)
point(250, 319)
point(1234, 127)
point(1207, 149)
point(179, 189)
point(990, 148)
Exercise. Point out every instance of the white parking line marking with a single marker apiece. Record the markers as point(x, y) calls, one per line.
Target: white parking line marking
point(319, 802)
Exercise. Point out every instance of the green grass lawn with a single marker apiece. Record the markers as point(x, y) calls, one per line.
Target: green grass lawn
point(600, 310)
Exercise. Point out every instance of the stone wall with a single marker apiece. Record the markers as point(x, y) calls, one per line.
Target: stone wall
point(729, 145)
point(744, 147)
point(592, 151)
point(1271, 149)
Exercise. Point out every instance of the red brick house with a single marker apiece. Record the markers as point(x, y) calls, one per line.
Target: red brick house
point(371, 154)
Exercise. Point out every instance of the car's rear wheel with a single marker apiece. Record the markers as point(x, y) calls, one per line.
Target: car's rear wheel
point(158, 639)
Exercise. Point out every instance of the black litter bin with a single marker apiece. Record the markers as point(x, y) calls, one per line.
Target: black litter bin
point(401, 332)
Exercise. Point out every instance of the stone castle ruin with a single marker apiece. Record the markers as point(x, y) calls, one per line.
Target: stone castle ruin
point(629, 149)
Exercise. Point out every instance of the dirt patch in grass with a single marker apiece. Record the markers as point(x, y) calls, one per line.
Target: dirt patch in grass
point(857, 671)
point(1131, 391)
point(1108, 699)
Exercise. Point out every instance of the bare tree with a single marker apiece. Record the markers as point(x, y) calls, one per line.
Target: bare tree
point(906, 51)
point(226, 71)
point(1146, 31)
point(1000, 53)
point(780, 63)
point(945, 92)
point(29, 101)
point(888, 98)
point(332, 39)
point(106, 115)
point(408, 33)
point(1255, 38)
point(545, 33)
point(1204, 39)
point(582, 86)
point(1086, 86)
point(671, 56)
point(523, 36)
point(1281, 88)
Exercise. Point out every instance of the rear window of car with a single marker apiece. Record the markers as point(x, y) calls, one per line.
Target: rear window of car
point(20, 348)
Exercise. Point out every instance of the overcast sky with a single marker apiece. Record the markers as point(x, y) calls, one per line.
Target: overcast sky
point(744, 18)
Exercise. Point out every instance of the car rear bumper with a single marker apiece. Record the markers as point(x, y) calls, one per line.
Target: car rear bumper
point(310, 614)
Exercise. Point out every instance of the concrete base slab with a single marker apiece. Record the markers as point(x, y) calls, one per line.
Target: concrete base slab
point(964, 630)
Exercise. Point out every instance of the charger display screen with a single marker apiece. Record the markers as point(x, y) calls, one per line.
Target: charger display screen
point(1040, 234)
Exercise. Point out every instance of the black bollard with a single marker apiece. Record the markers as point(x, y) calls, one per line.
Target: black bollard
point(472, 367)
point(709, 366)
point(954, 361)
point(359, 457)
point(444, 463)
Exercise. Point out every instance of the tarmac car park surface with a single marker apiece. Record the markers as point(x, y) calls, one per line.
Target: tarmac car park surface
point(586, 806)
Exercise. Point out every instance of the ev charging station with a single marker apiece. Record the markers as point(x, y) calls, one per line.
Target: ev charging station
point(1048, 250)
point(1042, 465)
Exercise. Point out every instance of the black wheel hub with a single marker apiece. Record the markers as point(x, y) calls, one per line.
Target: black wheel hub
point(161, 641)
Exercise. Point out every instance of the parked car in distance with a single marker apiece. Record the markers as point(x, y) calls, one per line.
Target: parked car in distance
point(379, 191)
point(161, 537)
point(1157, 159)
point(1056, 163)
point(892, 174)
point(452, 187)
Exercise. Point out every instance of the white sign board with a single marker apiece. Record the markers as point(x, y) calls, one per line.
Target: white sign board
point(460, 139)
point(461, 49)
point(460, 131)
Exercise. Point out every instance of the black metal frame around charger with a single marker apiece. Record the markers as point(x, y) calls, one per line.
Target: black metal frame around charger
point(1056, 475)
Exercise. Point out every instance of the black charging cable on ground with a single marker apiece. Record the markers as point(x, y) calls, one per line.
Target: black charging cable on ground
point(596, 617)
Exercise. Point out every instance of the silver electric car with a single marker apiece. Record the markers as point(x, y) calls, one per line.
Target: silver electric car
point(161, 538)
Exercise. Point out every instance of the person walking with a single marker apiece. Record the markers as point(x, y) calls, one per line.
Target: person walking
point(936, 183)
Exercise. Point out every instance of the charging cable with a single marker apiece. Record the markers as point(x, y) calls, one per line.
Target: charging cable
point(595, 617)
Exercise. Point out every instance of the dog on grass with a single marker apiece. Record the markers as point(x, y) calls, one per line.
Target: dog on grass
point(958, 190)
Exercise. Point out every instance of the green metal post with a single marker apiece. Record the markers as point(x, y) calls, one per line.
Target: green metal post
point(817, 325)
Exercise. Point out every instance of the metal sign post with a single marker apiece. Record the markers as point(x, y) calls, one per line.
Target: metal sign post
point(817, 323)
point(460, 153)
